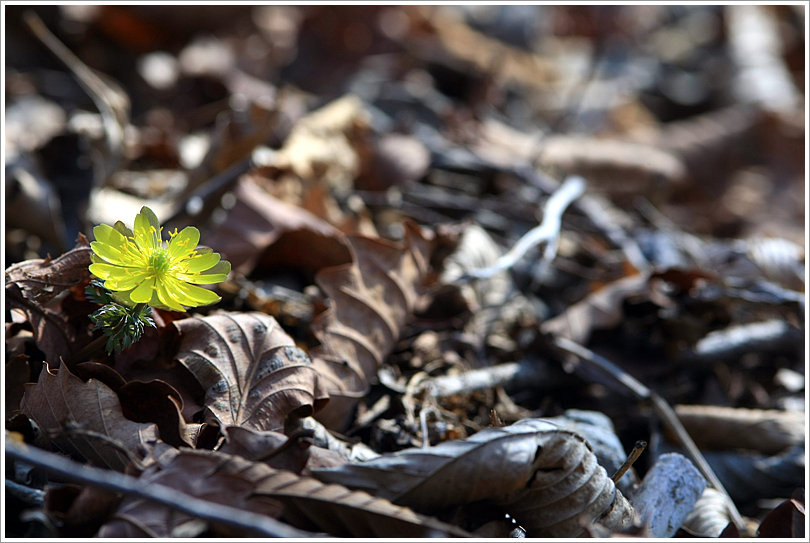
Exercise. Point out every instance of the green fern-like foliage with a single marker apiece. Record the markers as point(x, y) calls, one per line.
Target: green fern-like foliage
point(123, 325)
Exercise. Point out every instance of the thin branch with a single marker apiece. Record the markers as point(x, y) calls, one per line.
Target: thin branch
point(595, 210)
point(638, 448)
point(631, 383)
point(114, 118)
point(548, 231)
point(54, 464)
point(526, 373)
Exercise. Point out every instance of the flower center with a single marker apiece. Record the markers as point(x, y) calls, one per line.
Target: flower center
point(160, 261)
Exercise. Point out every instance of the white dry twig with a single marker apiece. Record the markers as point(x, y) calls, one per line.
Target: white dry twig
point(547, 231)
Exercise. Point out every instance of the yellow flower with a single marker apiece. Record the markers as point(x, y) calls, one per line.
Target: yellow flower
point(144, 269)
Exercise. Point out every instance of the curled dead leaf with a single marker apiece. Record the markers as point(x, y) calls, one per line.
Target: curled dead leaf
point(258, 220)
point(17, 374)
point(294, 453)
point(786, 520)
point(345, 513)
point(320, 147)
point(158, 402)
point(547, 479)
point(601, 309)
point(769, 431)
point(41, 280)
point(709, 516)
point(641, 169)
point(32, 286)
point(154, 401)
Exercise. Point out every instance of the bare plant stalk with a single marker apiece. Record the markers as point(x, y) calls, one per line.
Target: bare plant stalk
point(638, 448)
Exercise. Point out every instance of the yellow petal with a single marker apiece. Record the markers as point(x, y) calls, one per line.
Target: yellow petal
point(105, 233)
point(201, 296)
point(216, 274)
point(189, 294)
point(184, 242)
point(108, 252)
point(126, 281)
point(143, 292)
point(167, 299)
point(200, 263)
point(147, 230)
point(104, 271)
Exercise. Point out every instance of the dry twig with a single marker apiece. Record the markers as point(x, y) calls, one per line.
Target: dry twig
point(64, 468)
point(526, 373)
point(548, 231)
point(112, 106)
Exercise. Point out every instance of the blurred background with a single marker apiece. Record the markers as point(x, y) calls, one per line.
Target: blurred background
point(699, 109)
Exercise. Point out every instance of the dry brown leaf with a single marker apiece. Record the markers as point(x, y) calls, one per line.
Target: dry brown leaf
point(775, 259)
point(294, 453)
point(599, 310)
point(80, 511)
point(254, 486)
point(158, 402)
point(709, 144)
point(286, 253)
point(154, 401)
point(547, 479)
point(320, 146)
point(370, 301)
point(32, 285)
point(41, 280)
point(252, 373)
point(17, 373)
point(60, 400)
point(258, 220)
point(392, 160)
point(769, 431)
point(320, 159)
point(617, 167)
point(345, 513)
point(202, 474)
point(786, 520)
point(511, 65)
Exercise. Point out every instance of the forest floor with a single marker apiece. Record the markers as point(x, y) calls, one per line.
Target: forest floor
point(478, 254)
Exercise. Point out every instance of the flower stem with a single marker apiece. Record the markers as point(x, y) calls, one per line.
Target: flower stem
point(86, 351)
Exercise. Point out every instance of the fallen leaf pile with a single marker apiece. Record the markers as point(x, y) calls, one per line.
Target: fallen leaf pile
point(547, 479)
point(478, 254)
